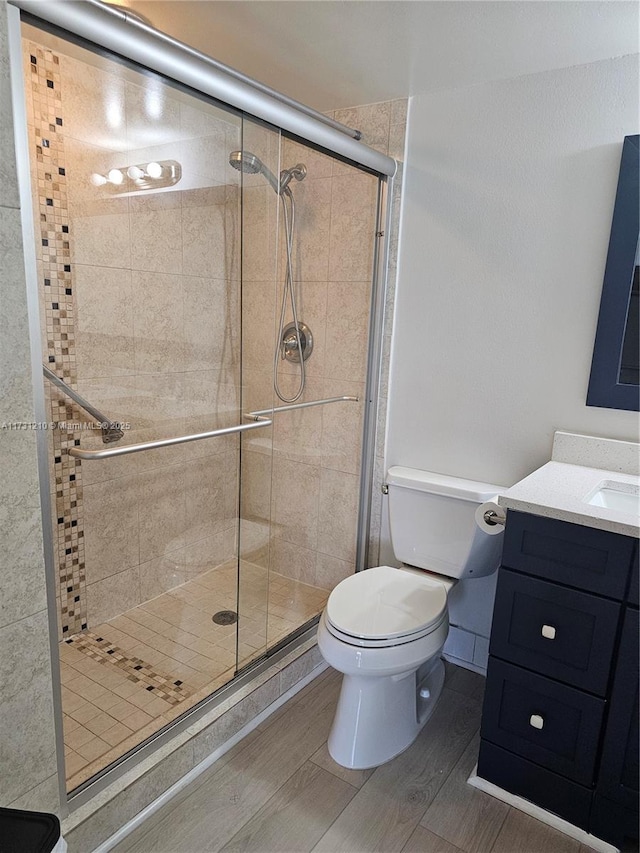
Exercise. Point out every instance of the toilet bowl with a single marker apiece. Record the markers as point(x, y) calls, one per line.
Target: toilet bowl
point(384, 628)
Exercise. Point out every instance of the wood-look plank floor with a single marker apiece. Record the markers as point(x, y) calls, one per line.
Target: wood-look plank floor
point(279, 791)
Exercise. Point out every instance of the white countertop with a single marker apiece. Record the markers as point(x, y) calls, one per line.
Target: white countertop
point(557, 490)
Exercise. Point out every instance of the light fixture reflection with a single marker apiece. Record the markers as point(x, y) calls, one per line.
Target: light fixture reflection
point(116, 177)
point(140, 176)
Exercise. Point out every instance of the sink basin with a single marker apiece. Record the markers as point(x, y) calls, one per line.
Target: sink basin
point(623, 497)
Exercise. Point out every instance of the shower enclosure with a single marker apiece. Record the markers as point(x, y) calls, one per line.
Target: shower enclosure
point(205, 287)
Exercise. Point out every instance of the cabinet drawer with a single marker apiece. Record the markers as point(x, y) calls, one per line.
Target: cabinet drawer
point(545, 722)
point(548, 790)
point(559, 632)
point(589, 559)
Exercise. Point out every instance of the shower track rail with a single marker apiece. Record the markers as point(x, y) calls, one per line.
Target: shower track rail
point(110, 431)
point(259, 415)
point(79, 453)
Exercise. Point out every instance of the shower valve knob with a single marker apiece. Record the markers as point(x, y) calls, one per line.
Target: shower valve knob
point(289, 347)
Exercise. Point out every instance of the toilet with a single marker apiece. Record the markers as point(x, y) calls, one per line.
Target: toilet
point(384, 628)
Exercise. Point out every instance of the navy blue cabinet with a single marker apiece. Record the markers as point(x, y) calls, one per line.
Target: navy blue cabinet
point(560, 716)
point(615, 812)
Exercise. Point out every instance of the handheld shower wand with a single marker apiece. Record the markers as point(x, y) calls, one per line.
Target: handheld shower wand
point(292, 341)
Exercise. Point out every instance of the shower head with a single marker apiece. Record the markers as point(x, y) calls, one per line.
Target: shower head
point(245, 161)
point(250, 164)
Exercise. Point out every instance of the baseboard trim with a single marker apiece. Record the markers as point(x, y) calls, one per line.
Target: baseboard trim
point(540, 814)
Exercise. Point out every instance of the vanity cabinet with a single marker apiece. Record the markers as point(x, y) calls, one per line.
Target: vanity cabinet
point(560, 716)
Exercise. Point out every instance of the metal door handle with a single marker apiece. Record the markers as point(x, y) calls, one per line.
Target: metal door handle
point(79, 453)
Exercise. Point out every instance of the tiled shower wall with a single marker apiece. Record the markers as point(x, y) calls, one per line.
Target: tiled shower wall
point(149, 331)
point(313, 500)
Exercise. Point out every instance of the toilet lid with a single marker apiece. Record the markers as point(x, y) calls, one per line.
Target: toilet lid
point(384, 603)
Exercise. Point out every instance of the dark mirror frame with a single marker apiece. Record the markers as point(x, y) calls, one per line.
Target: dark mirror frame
point(605, 388)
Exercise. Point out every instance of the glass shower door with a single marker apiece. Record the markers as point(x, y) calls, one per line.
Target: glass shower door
point(137, 215)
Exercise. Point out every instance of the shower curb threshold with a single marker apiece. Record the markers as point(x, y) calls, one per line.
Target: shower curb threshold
point(121, 805)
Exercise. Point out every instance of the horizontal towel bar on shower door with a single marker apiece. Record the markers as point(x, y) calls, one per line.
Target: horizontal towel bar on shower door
point(164, 442)
point(110, 431)
point(256, 416)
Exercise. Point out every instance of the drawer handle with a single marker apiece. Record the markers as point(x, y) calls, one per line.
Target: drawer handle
point(536, 721)
point(548, 632)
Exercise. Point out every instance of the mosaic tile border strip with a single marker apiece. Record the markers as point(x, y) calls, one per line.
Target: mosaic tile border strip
point(51, 206)
point(167, 687)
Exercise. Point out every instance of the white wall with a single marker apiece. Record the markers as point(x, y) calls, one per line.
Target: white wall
point(507, 211)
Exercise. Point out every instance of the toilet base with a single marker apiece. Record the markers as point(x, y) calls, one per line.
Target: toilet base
point(378, 717)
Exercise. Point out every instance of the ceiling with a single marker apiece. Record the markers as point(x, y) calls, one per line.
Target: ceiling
point(339, 53)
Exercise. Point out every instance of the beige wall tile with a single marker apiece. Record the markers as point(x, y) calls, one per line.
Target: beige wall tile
point(158, 322)
point(331, 570)
point(397, 138)
point(298, 434)
point(255, 486)
point(313, 220)
point(111, 527)
point(296, 501)
point(158, 412)
point(206, 248)
point(342, 426)
point(93, 103)
point(103, 321)
point(109, 597)
point(293, 561)
point(152, 115)
point(258, 324)
point(318, 165)
point(211, 327)
point(351, 248)
point(372, 120)
point(210, 403)
point(338, 514)
point(260, 223)
point(156, 232)
point(101, 240)
point(206, 156)
point(210, 495)
point(161, 511)
point(347, 330)
point(257, 393)
point(399, 111)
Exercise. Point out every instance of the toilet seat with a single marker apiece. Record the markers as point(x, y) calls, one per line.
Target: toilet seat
point(384, 607)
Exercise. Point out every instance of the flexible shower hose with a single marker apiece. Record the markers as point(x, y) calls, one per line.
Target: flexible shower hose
point(288, 290)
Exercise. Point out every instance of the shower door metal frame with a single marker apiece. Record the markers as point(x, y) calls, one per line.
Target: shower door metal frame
point(380, 275)
point(381, 239)
point(23, 168)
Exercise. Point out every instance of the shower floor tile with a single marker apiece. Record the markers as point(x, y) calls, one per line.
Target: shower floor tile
point(124, 680)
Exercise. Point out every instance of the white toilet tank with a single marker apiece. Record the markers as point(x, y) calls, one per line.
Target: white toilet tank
point(433, 527)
